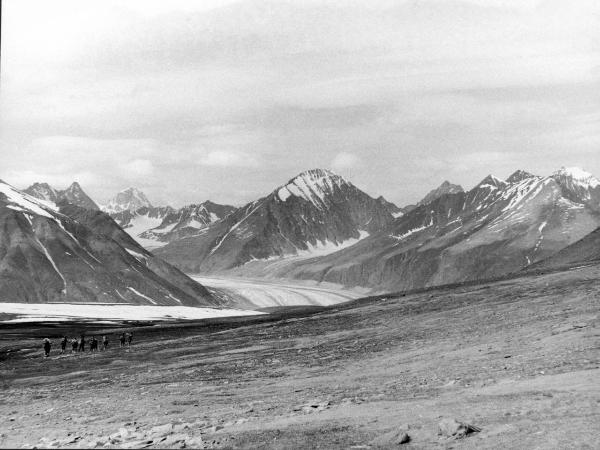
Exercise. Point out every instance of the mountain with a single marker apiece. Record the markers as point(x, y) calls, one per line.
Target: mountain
point(392, 208)
point(579, 186)
point(583, 252)
point(315, 213)
point(155, 226)
point(74, 194)
point(67, 253)
point(130, 199)
point(138, 222)
point(188, 221)
point(498, 227)
point(445, 188)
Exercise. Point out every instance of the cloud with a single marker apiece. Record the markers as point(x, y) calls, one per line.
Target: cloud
point(345, 160)
point(138, 168)
point(227, 158)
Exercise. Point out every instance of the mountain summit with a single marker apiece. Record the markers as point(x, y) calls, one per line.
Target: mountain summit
point(579, 186)
point(314, 213)
point(130, 199)
point(74, 195)
point(445, 188)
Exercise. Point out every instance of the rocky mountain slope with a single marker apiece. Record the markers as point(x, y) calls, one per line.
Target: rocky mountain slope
point(583, 252)
point(68, 253)
point(73, 194)
point(315, 213)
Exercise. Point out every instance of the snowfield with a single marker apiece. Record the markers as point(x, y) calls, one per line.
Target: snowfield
point(35, 312)
point(264, 294)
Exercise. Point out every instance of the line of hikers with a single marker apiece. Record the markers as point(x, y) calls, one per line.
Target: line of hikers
point(78, 345)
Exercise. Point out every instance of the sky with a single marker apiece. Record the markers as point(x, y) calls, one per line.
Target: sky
point(225, 100)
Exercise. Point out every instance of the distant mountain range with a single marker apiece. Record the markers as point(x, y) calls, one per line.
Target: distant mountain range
point(498, 227)
point(155, 226)
point(63, 252)
point(319, 226)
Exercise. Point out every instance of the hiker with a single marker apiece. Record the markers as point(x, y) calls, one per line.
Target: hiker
point(47, 346)
point(122, 340)
point(129, 339)
point(104, 343)
point(82, 343)
point(63, 345)
point(93, 344)
point(74, 345)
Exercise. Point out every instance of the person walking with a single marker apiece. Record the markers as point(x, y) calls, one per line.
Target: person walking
point(47, 347)
point(129, 339)
point(93, 344)
point(122, 339)
point(82, 343)
point(63, 344)
point(74, 345)
point(105, 343)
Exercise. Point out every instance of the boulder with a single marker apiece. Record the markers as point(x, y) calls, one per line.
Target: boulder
point(392, 438)
point(452, 428)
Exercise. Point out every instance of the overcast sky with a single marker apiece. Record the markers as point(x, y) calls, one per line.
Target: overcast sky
point(224, 100)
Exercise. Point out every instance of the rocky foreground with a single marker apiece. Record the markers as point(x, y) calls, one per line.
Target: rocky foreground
point(510, 364)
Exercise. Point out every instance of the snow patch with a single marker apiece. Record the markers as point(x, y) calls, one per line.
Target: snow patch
point(33, 312)
point(142, 295)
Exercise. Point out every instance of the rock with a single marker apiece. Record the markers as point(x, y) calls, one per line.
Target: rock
point(179, 427)
point(314, 406)
point(194, 442)
point(136, 444)
point(451, 428)
point(161, 430)
point(174, 439)
point(392, 438)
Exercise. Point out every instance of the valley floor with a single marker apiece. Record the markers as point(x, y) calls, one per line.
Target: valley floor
point(519, 359)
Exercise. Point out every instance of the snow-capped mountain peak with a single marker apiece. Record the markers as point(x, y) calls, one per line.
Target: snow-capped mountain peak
point(312, 185)
point(20, 201)
point(491, 182)
point(130, 199)
point(578, 176)
point(74, 194)
point(579, 186)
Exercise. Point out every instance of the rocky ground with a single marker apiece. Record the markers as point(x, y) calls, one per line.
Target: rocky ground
point(510, 364)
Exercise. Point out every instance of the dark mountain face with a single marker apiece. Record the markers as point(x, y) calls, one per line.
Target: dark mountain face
point(74, 194)
point(392, 208)
point(314, 213)
point(80, 255)
point(445, 188)
point(582, 252)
